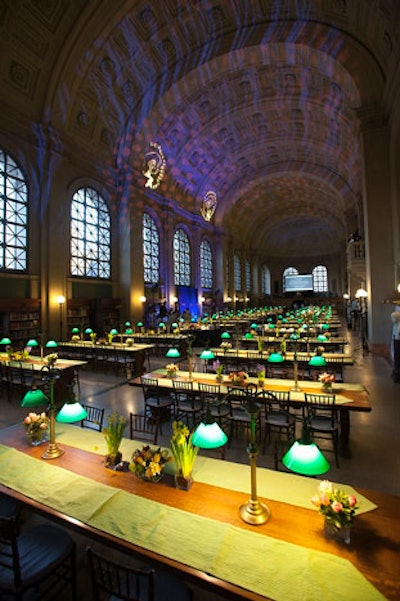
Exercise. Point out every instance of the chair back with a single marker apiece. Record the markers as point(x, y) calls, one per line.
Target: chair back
point(150, 387)
point(320, 405)
point(144, 428)
point(94, 419)
point(119, 581)
point(182, 385)
point(9, 557)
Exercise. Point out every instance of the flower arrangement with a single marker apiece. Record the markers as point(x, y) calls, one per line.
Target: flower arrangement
point(260, 344)
point(93, 337)
point(76, 338)
point(172, 369)
point(113, 434)
point(238, 377)
point(50, 359)
point(327, 380)
point(183, 451)
point(337, 506)
point(260, 369)
point(225, 346)
point(36, 426)
point(148, 463)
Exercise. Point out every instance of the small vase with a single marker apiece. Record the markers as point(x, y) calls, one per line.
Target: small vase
point(112, 459)
point(183, 483)
point(332, 532)
point(219, 378)
point(171, 374)
point(155, 478)
point(37, 438)
point(261, 382)
point(327, 387)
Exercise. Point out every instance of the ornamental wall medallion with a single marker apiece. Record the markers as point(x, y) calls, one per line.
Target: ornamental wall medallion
point(154, 166)
point(208, 205)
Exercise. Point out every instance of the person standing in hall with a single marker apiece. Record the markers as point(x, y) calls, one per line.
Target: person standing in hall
point(396, 343)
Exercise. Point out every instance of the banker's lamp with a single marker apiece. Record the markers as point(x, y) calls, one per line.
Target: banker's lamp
point(173, 353)
point(207, 354)
point(225, 336)
point(70, 412)
point(5, 340)
point(304, 457)
point(275, 358)
point(317, 361)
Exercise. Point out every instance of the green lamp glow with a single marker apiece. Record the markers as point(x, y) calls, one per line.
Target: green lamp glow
point(304, 457)
point(32, 342)
point(174, 325)
point(317, 361)
point(114, 332)
point(51, 344)
point(209, 436)
point(127, 324)
point(34, 398)
point(207, 354)
point(139, 324)
point(275, 358)
point(248, 335)
point(129, 331)
point(5, 341)
point(322, 338)
point(224, 335)
point(88, 331)
point(75, 330)
point(173, 353)
point(71, 412)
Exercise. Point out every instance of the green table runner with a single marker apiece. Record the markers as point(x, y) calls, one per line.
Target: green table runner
point(269, 567)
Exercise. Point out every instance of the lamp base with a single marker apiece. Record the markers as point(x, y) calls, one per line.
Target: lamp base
point(52, 452)
point(254, 512)
point(295, 388)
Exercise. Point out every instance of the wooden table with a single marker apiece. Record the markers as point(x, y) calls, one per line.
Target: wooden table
point(374, 549)
point(136, 352)
point(349, 397)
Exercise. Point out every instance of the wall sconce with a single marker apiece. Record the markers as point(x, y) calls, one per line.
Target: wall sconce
point(142, 299)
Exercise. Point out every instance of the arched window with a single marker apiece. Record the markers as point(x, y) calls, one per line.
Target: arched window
point(237, 274)
point(90, 235)
point(206, 265)
point(320, 278)
point(289, 271)
point(182, 261)
point(151, 250)
point(13, 215)
point(265, 280)
point(248, 276)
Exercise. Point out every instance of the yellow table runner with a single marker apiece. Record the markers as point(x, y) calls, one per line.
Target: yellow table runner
point(269, 567)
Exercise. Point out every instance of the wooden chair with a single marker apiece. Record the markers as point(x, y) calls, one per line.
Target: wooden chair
point(37, 561)
point(94, 419)
point(188, 405)
point(239, 418)
point(321, 415)
point(157, 403)
point(123, 581)
point(277, 416)
point(143, 428)
point(212, 405)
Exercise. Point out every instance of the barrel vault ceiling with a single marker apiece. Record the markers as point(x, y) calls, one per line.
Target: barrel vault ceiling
point(258, 101)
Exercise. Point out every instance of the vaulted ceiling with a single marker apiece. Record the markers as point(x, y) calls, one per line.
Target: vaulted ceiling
point(258, 101)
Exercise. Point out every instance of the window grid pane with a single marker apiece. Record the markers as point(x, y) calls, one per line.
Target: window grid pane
point(151, 250)
point(13, 215)
point(320, 278)
point(248, 276)
point(90, 242)
point(288, 271)
point(182, 261)
point(237, 274)
point(206, 265)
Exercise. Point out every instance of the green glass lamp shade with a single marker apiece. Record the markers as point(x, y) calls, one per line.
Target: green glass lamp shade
point(114, 332)
point(5, 341)
point(322, 338)
point(207, 354)
point(305, 459)
point(317, 361)
point(51, 344)
point(139, 324)
point(173, 353)
point(88, 331)
point(275, 358)
point(71, 412)
point(34, 398)
point(325, 326)
point(225, 335)
point(209, 436)
point(271, 326)
point(248, 335)
point(75, 330)
point(127, 324)
point(128, 331)
point(161, 325)
point(253, 326)
point(174, 325)
point(32, 342)
point(294, 336)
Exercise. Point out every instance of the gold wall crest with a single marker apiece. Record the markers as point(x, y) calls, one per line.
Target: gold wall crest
point(208, 205)
point(154, 166)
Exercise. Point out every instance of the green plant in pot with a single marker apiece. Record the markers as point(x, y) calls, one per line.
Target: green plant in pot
point(184, 453)
point(113, 434)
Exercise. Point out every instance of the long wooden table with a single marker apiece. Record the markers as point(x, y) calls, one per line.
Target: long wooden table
point(294, 533)
point(349, 397)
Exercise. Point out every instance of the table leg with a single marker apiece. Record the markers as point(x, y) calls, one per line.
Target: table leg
point(344, 437)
